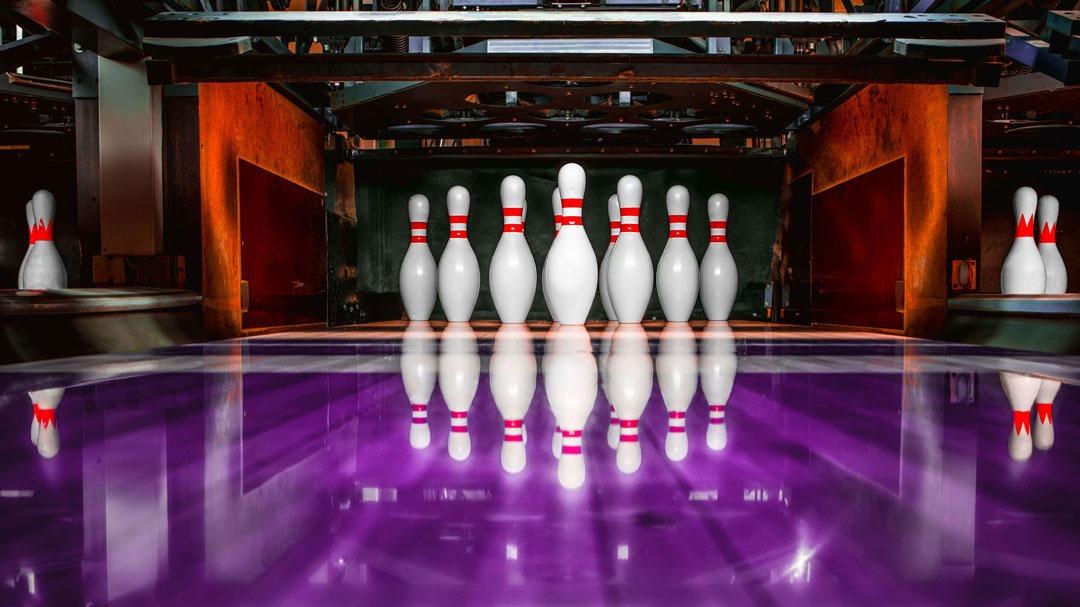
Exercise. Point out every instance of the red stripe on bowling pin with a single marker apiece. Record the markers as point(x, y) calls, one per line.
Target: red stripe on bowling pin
point(1045, 411)
point(677, 421)
point(419, 231)
point(44, 416)
point(1025, 228)
point(419, 414)
point(1048, 234)
point(571, 208)
point(459, 421)
point(630, 218)
point(628, 430)
point(614, 227)
point(459, 225)
point(716, 414)
point(512, 432)
point(677, 226)
point(571, 442)
point(512, 220)
point(717, 231)
point(1022, 422)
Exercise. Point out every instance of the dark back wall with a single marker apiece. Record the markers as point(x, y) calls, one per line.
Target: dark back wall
point(384, 186)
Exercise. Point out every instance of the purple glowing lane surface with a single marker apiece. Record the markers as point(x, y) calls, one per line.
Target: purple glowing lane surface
point(305, 469)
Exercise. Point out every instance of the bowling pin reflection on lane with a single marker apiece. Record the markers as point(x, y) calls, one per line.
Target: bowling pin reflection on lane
point(419, 367)
point(459, 374)
point(605, 353)
point(718, 364)
point(1021, 391)
point(677, 373)
point(630, 376)
point(512, 374)
point(570, 380)
point(43, 431)
point(1042, 422)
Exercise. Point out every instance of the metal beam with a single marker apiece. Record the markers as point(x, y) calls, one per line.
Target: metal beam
point(454, 67)
point(94, 24)
point(31, 48)
point(572, 24)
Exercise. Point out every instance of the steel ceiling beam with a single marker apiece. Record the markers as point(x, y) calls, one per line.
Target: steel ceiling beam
point(94, 24)
point(572, 24)
point(31, 48)
point(457, 67)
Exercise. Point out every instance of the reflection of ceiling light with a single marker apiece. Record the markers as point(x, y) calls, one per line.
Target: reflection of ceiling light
point(799, 571)
point(511, 552)
point(623, 552)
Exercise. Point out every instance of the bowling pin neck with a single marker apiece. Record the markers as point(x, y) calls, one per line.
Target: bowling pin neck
point(716, 415)
point(614, 226)
point(42, 231)
point(571, 442)
point(459, 226)
point(1047, 233)
point(513, 428)
point(628, 430)
point(1045, 412)
point(677, 421)
point(678, 226)
point(1025, 226)
point(459, 421)
point(630, 217)
point(717, 231)
point(1022, 422)
point(512, 220)
point(45, 417)
point(571, 208)
point(419, 413)
point(419, 232)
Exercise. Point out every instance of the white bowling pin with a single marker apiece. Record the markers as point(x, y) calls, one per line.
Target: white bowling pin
point(719, 277)
point(512, 375)
point(44, 268)
point(418, 275)
point(31, 225)
point(459, 272)
point(556, 436)
point(605, 354)
point(47, 436)
point(1042, 422)
point(512, 274)
point(1053, 264)
point(1021, 391)
point(630, 382)
point(419, 368)
point(459, 374)
point(1023, 272)
point(677, 374)
point(570, 271)
point(570, 382)
point(718, 364)
point(614, 221)
point(677, 270)
point(556, 213)
point(630, 271)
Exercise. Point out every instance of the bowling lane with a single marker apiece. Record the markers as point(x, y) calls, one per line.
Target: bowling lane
point(293, 469)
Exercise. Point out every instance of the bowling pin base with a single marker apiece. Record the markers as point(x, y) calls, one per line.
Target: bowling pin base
point(419, 436)
point(571, 471)
point(513, 457)
point(716, 437)
point(676, 446)
point(459, 446)
point(628, 457)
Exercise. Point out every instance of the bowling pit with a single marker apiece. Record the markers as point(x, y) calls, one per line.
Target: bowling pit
point(858, 468)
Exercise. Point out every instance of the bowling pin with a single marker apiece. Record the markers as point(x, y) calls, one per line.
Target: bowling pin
point(30, 227)
point(556, 213)
point(630, 271)
point(418, 275)
point(719, 277)
point(459, 374)
point(43, 431)
point(44, 268)
point(1053, 264)
point(677, 374)
point(459, 272)
point(570, 270)
point(717, 365)
point(419, 368)
point(1023, 272)
point(512, 375)
point(570, 379)
point(1021, 392)
point(512, 274)
point(630, 382)
point(677, 270)
point(1042, 422)
point(614, 221)
point(605, 354)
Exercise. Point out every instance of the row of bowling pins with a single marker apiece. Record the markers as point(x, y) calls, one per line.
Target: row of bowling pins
point(1032, 402)
point(41, 267)
point(571, 375)
point(1030, 268)
point(570, 274)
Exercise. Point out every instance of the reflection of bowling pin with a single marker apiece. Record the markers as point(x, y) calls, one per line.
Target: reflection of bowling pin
point(718, 364)
point(630, 271)
point(43, 430)
point(570, 271)
point(419, 367)
point(512, 273)
point(719, 276)
point(459, 374)
point(556, 213)
point(1053, 264)
point(677, 270)
point(1023, 272)
point(677, 374)
point(1042, 422)
point(512, 375)
point(570, 378)
point(1021, 391)
point(605, 353)
point(418, 272)
point(459, 272)
point(31, 228)
point(613, 224)
point(44, 268)
point(630, 377)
